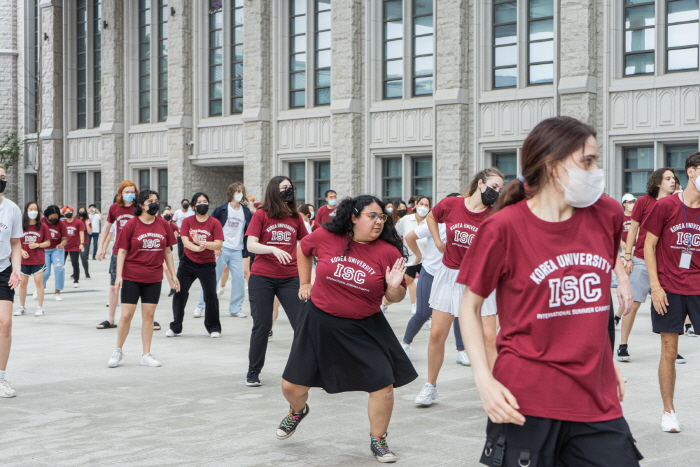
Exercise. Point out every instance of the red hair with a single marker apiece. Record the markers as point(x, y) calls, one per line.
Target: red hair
point(122, 186)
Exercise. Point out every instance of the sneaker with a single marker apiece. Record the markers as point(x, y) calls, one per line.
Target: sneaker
point(413, 309)
point(669, 422)
point(240, 314)
point(198, 312)
point(407, 349)
point(214, 335)
point(39, 311)
point(463, 359)
point(622, 354)
point(75, 284)
point(252, 380)
point(291, 422)
point(87, 276)
point(381, 450)
point(169, 333)
point(19, 312)
point(5, 389)
point(689, 331)
point(219, 292)
point(680, 359)
point(617, 320)
point(116, 357)
point(172, 292)
point(149, 360)
point(60, 299)
point(428, 324)
point(383, 307)
point(35, 295)
point(427, 395)
point(107, 304)
point(269, 336)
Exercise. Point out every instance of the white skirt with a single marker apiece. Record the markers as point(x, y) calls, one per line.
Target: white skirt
point(446, 294)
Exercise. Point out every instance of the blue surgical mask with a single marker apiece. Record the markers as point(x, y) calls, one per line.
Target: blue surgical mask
point(128, 197)
point(332, 202)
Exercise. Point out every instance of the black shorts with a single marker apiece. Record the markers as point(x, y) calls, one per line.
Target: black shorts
point(147, 292)
point(31, 269)
point(544, 442)
point(113, 269)
point(5, 292)
point(679, 306)
point(412, 271)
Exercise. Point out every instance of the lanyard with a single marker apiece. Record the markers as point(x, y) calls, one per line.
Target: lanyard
point(685, 211)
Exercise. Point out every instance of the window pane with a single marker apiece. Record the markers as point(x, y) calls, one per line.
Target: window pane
point(216, 56)
point(216, 73)
point(323, 40)
point(393, 9)
point(323, 21)
point(323, 59)
point(393, 30)
point(636, 182)
point(423, 86)
point(422, 7)
point(675, 155)
point(393, 89)
point(215, 91)
point(423, 66)
point(323, 96)
point(540, 74)
point(296, 172)
point(639, 16)
point(506, 162)
point(298, 7)
point(505, 13)
point(298, 25)
point(144, 115)
point(640, 39)
point(215, 39)
point(238, 54)
point(541, 30)
point(298, 99)
point(392, 167)
point(541, 51)
point(683, 59)
point(299, 62)
point(298, 44)
point(237, 105)
point(394, 69)
point(145, 84)
point(683, 34)
point(394, 49)
point(423, 186)
point(297, 80)
point(639, 63)
point(237, 70)
point(323, 170)
point(505, 77)
point(506, 55)
point(505, 34)
point(323, 5)
point(237, 88)
point(639, 158)
point(392, 188)
point(238, 17)
point(541, 8)
point(422, 167)
point(423, 45)
point(423, 25)
point(682, 10)
point(323, 78)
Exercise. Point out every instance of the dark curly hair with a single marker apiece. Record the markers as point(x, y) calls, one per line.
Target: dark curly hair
point(350, 208)
point(141, 198)
point(655, 180)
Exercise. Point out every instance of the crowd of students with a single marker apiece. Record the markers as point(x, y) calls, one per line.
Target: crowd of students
point(548, 242)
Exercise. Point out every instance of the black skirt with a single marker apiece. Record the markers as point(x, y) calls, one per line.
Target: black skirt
point(342, 354)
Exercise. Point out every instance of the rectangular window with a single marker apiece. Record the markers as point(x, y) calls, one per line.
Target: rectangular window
point(422, 47)
point(507, 163)
point(237, 57)
point(145, 61)
point(322, 181)
point(422, 177)
point(30, 192)
point(297, 174)
point(144, 179)
point(541, 42)
point(505, 43)
point(82, 189)
point(162, 60)
point(297, 53)
point(392, 179)
point(393, 49)
point(97, 189)
point(675, 159)
point(33, 71)
point(163, 187)
point(640, 37)
point(638, 166)
point(682, 30)
point(81, 65)
point(322, 72)
point(97, 62)
point(216, 58)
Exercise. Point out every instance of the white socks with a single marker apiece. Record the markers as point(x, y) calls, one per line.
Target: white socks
point(2, 374)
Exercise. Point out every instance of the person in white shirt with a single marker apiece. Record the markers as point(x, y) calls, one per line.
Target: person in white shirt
point(179, 216)
point(96, 218)
point(10, 264)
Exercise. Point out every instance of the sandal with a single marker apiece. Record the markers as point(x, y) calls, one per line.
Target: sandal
point(156, 326)
point(106, 325)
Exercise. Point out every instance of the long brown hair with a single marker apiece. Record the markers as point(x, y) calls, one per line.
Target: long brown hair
point(656, 178)
point(552, 140)
point(273, 203)
point(483, 176)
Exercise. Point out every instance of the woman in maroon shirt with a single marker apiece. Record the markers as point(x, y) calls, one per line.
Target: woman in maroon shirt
point(343, 342)
point(75, 230)
point(35, 238)
point(553, 395)
point(142, 247)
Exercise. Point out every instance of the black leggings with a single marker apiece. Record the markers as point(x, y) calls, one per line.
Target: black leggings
point(261, 293)
point(187, 273)
point(75, 261)
point(84, 259)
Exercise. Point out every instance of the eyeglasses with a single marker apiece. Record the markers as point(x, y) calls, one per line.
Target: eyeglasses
point(373, 216)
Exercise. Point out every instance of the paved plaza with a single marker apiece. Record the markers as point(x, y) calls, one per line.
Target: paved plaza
point(71, 409)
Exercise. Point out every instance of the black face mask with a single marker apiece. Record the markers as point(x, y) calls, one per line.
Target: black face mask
point(202, 209)
point(53, 220)
point(167, 217)
point(81, 214)
point(489, 196)
point(3, 185)
point(69, 215)
point(153, 209)
point(287, 194)
point(185, 206)
point(402, 212)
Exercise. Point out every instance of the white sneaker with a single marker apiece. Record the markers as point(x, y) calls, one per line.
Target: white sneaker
point(669, 423)
point(198, 312)
point(75, 285)
point(116, 357)
point(690, 332)
point(169, 333)
point(5, 389)
point(407, 349)
point(428, 324)
point(462, 358)
point(214, 335)
point(149, 360)
point(39, 311)
point(35, 295)
point(19, 312)
point(427, 395)
point(58, 297)
point(240, 314)
point(383, 307)
point(413, 309)
point(219, 292)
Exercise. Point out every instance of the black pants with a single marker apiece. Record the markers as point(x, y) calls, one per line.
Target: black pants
point(611, 326)
point(75, 261)
point(187, 273)
point(262, 292)
point(84, 259)
point(180, 249)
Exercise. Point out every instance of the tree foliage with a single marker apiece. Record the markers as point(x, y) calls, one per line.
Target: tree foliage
point(10, 149)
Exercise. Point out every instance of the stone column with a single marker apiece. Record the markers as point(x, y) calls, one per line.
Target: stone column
point(347, 97)
point(112, 124)
point(51, 88)
point(9, 108)
point(257, 91)
point(452, 160)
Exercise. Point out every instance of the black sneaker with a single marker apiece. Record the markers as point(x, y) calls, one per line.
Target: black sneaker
point(269, 336)
point(381, 450)
point(87, 276)
point(622, 354)
point(172, 292)
point(252, 379)
point(617, 320)
point(680, 359)
point(291, 422)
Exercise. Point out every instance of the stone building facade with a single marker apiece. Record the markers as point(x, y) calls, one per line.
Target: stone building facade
point(391, 97)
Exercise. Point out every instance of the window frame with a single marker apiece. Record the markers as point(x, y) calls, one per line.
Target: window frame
point(625, 54)
point(530, 64)
point(316, 69)
point(292, 15)
point(237, 5)
point(625, 171)
point(144, 58)
point(163, 60)
point(414, 36)
point(668, 49)
point(385, 60)
point(319, 194)
point(494, 25)
point(97, 189)
point(212, 66)
point(296, 181)
point(509, 153)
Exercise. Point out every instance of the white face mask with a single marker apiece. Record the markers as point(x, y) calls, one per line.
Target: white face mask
point(312, 215)
point(422, 211)
point(332, 202)
point(697, 182)
point(585, 187)
point(32, 214)
point(389, 210)
point(238, 197)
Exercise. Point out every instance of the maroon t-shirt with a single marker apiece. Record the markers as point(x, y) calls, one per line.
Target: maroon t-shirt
point(33, 235)
point(281, 233)
point(73, 230)
point(121, 215)
point(676, 233)
point(461, 224)
point(56, 232)
point(349, 285)
point(626, 221)
point(145, 245)
point(325, 214)
point(640, 211)
point(209, 230)
point(552, 282)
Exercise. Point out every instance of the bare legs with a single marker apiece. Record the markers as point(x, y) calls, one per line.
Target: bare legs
point(667, 368)
point(628, 322)
point(148, 311)
point(5, 332)
point(442, 322)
